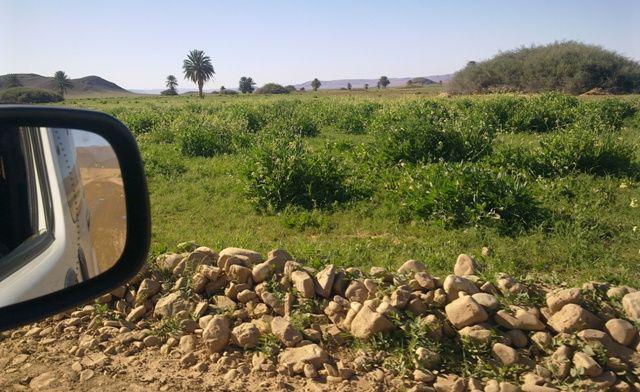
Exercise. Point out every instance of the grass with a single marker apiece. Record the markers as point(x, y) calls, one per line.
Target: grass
point(588, 234)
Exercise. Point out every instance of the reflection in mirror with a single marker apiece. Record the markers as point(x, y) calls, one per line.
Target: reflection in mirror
point(63, 210)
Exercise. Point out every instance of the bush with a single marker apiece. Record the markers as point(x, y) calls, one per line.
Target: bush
point(169, 91)
point(162, 161)
point(571, 67)
point(28, 95)
point(352, 117)
point(272, 88)
point(283, 172)
point(291, 117)
point(206, 135)
point(428, 131)
point(543, 113)
point(467, 194)
point(612, 112)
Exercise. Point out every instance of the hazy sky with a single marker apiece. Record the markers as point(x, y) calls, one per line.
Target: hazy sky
point(137, 43)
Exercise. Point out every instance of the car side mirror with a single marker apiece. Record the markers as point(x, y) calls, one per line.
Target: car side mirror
point(74, 210)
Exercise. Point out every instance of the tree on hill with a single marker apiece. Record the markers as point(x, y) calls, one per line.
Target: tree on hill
point(10, 81)
point(246, 85)
point(366, 86)
point(62, 81)
point(383, 82)
point(291, 88)
point(315, 84)
point(171, 84)
point(419, 82)
point(348, 86)
point(197, 67)
point(570, 67)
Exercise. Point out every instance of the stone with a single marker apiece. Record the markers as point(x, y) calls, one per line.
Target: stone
point(424, 376)
point(477, 334)
point(621, 331)
point(450, 383)
point(151, 341)
point(324, 281)
point(367, 322)
point(424, 280)
point(245, 335)
point(246, 296)
point(453, 284)
point(465, 265)
point(586, 365)
point(224, 303)
point(303, 283)
point(188, 360)
point(506, 355)
point(263, 271)
point(558, 299)
point(168, 261)
point(631, 305)
point(239, 274)
point(136, 313)
point(465, 311)
point(518, 338)
point(309, 354)
point(169, 305)
point(411, 267)
point(285, 332)
point(187, 344)
point(488, 301)
point(573, 318)
point(253, 257)
point(216, 334)
point(43, 381)
point(356, 291)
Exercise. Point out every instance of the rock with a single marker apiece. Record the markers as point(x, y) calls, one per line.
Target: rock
point(223, 303)
point(136, 314)
point(216, 334)
point(619, 291)
point(273, 302)
point(586, 365)
point(424, 280)
point(465, 311)
point(400, 297)
point(279, 257)
point(452, 285)
point(298, 356)
point(631, 305)
point(168, 261)
point(188, 360)
point(245, 335)
point(505, 354)
point(285, 332)
point(246, 296)
point(465, 265)
point(518, 338)
point(508, 285)
point(573, 318)
point(310, 371)
point(263, 271)
point(367, 322)
point(488, 301)
point(558, 299)
point(239, 274)
point(356, 291)
point(170, 305)
point(151, 341)
point(303, 283)
point(43, 380)
point(148, 288)
point(424, 376)
point(411, 267)
point(187, 344)
point(104, 299)
point(324, 281)
point(86, 375)
point(528, 321)
point(477, 334)
point(621, 331)
point(253, 257)
point(450, 383)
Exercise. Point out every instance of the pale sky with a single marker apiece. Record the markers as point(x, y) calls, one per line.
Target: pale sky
point(136, 44)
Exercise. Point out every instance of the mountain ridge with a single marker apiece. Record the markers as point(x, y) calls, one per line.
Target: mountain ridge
point(84, 86)
point(360, 82)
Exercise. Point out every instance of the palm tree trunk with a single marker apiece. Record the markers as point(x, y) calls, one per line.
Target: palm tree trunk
point(200, 88)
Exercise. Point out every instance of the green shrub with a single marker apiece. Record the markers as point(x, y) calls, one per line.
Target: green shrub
point(139, 120)
point(272, 88)
point(291, 117)
point(28, 95)
point(162, 161)
point(464, 194)
point(610, 111)
point(562, 66)
point(283, 172)
point(207, 135)
point(543, 113)
point(428, 131)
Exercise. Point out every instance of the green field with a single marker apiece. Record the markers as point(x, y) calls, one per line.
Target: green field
point(549, 183)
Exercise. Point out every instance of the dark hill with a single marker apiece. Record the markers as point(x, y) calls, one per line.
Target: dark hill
point(86, 86)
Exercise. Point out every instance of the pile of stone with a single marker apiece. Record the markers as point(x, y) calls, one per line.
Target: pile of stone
point(205, 306)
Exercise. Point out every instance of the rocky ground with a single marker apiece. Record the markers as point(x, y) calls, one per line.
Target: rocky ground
point(201, 320)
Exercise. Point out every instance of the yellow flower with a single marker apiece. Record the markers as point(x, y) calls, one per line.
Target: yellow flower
point(623, 185)
point(634, 203)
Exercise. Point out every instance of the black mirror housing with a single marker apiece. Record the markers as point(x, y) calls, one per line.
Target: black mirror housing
point(138, 221)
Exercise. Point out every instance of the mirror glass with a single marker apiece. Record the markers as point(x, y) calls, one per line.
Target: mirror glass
point(62, 209)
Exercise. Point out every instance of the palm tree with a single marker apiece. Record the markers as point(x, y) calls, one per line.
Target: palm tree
point(198, 68)
point(171, 83)
point(62, 81)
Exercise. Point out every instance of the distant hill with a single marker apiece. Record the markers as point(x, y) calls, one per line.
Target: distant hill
point(359, 83)
point(86, 86)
